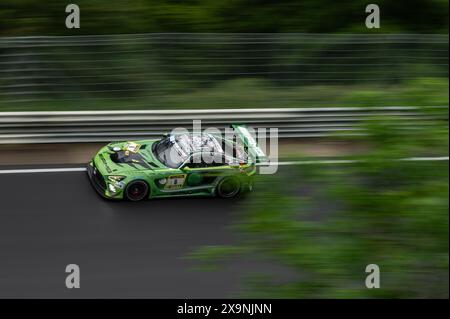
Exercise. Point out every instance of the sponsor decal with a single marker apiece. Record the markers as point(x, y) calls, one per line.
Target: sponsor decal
point(131, 147)
point(175, 181)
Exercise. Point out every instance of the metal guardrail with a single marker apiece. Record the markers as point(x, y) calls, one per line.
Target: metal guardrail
point(102, 126)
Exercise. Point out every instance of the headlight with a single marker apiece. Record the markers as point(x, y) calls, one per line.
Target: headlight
point(112, 188)
point(115, 182)
point(116, 178)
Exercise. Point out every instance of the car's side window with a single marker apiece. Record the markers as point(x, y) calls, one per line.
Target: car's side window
point(218, 160)
point(212, 160)
point(205, 160)
point(195, 161)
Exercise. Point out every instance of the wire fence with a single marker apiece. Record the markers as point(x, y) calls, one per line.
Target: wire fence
point(165, 70)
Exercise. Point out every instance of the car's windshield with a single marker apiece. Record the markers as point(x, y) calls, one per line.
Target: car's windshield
point(174, 150)
point(167, 154)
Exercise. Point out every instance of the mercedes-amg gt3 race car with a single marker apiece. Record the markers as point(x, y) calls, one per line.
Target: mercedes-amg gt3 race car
point(177, 165)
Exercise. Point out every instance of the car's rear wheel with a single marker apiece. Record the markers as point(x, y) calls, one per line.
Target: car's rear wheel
point(136, 191)
point(228, 187)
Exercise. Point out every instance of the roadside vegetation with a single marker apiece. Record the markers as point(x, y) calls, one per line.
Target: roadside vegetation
point(259, 93)
point(324, 223)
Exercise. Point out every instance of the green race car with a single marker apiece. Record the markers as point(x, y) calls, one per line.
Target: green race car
point(177, 165)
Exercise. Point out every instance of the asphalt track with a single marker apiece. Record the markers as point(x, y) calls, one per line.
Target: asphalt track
point(124, 250)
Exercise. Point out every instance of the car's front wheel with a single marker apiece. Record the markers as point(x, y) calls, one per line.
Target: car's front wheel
point(228, 187)
point(136, 191)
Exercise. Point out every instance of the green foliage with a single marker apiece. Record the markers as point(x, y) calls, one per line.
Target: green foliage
point(219, 64)
point(31, 17)
point(326, 223)
point(257, 93)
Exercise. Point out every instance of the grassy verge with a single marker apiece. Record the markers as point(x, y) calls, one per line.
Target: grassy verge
point(245, 93)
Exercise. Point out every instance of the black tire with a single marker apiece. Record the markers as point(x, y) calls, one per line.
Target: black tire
point(136, 191)
point(228, 187)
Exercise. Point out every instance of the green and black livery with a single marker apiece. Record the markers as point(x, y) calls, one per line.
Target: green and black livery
point(177, 165)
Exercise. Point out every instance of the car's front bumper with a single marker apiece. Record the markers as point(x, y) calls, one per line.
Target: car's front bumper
point(95, 179)
point(99, 183)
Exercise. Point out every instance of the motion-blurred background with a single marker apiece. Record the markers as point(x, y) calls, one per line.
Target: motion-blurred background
point(322, 222)
point(150, 55)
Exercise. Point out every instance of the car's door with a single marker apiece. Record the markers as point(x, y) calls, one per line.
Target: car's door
point(203, 169)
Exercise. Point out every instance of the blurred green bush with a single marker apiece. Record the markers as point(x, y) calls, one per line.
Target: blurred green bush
point(258, 93)
point(325, 223)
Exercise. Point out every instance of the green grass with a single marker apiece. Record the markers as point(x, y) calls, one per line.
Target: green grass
point(248, 93)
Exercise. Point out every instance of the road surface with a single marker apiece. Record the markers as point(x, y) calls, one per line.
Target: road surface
point(124, 250)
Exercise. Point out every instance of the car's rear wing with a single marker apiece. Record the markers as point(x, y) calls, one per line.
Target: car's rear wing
point(250, 143)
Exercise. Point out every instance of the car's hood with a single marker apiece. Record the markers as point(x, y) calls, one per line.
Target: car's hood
point(115, 159)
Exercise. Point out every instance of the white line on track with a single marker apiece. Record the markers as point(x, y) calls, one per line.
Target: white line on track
point(411, 159)
point(42, 170)
point(82, 169)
